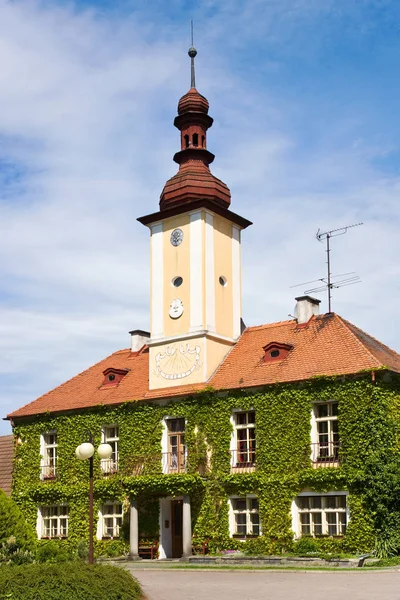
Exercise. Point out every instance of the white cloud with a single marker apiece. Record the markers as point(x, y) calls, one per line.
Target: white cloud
point(86, 110)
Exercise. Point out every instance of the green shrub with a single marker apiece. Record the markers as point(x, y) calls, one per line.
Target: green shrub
point(53, 551)
point(13, 524)
point(75, 581)
point(11, 553)
point(305, 546)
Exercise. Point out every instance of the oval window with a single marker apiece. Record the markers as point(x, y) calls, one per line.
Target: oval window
point(222, 280)
point(111, 377)
point(177, 281)
point(274, 353)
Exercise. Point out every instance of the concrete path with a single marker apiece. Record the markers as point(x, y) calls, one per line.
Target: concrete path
point(268, 585)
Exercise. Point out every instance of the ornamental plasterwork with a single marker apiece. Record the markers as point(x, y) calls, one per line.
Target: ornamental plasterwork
point(178, 361)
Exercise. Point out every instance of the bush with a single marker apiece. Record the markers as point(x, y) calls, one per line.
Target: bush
point(53, 551)
point(11, 553)
point(13, 524)
point(75, 581)
point(305, 546)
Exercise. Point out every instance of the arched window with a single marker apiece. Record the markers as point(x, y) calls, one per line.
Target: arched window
point(203, 141)
point(195, 139)
point(186, 141)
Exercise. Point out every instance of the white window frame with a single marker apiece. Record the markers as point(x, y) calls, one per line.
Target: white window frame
point(110, 465)
point(248, 511)
point(235, 441)
point(62, 513)
point(115, 515)
point(49, 455)
point(296, 511)
point(322, 451)
point(165, 447)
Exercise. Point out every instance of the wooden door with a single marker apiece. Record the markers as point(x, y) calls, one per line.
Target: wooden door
point(176, 528)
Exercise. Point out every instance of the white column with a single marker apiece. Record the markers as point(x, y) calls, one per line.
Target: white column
point(236, 281)
point(196, 272)
point(186, 528)
point(157, 281)
point(210, 273)
point(134, 531)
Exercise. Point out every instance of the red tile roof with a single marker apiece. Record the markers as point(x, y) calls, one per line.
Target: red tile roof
point(6, 462)
point(328, 345)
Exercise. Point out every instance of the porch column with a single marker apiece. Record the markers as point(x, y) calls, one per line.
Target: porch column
point(186, 528)
point(133, 531)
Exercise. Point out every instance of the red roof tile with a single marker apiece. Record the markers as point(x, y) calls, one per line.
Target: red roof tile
point(328, 345)
point(6, 462)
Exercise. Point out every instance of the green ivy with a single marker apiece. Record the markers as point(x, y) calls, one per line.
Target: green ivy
point(369, 419)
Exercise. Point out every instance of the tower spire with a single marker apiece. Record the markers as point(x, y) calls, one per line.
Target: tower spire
point(192, 53)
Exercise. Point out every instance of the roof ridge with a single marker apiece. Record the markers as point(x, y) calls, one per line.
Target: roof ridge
point(371, 336)
point(265, 325)
point(346, 324)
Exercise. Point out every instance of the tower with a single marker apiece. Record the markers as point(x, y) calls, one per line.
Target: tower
point(195, 251)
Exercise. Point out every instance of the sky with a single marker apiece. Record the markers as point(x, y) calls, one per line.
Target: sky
point(305, 97)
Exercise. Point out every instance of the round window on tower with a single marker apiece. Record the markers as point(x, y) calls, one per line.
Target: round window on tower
point(177, 281)
point(222, 280)
point(274, 353)
point(111, 377)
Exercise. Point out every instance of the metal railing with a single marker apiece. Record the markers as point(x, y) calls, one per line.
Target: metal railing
point(156, 464)
point(109, 466)
point(325, 454)
point(243, 461)
point(48, 471)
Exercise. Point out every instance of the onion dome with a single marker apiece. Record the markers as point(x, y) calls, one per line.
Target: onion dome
point(194, 180)
point(193, 102)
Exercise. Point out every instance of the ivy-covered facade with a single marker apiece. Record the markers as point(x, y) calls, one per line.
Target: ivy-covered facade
point(282, 465)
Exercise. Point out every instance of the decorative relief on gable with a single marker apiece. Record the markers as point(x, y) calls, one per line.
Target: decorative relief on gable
point(178, 361)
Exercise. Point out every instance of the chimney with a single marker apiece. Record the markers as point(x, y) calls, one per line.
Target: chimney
point(306, 307)
point(138, 339)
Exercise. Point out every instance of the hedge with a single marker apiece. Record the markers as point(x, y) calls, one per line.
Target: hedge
point(75, 581)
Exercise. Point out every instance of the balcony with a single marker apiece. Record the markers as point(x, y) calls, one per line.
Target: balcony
point(166, 463)
point(243, 461)
point(325, 454)
point(48, 472)
point(109, 467)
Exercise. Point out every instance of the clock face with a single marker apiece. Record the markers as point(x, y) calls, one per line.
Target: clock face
point(176, 308)
point(177, 237)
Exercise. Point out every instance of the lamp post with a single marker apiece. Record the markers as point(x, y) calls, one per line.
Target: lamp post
point(83, 452)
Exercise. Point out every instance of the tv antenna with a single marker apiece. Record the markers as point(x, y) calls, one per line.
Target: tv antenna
point(328, 282)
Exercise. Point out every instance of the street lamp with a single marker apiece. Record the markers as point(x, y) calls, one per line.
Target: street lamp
point(83, 452)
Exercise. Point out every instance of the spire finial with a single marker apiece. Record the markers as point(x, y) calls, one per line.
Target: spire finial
point(192, 53)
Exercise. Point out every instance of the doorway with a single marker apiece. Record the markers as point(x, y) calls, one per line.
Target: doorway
point(176, 528)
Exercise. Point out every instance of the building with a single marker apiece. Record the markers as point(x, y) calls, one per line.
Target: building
point(219, 433)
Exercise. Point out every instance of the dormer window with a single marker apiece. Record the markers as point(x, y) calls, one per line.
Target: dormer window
point(276, 351)
point(113, 376)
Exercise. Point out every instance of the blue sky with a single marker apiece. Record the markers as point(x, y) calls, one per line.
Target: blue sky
point(305, 98)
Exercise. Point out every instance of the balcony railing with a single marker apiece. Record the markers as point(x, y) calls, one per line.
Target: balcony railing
point(48, 472)
point(109, 466)
point(243, 461)
point(163, 463)
point(325, 454)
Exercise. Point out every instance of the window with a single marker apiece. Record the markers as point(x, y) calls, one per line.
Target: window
point(176, 445)
point(245, 434)
point(54, 521)
point(326, 432)
point(49, 455)
point(322, 515)
point(195, 139)
point(246, 519)
point(111, 516)
point(186, 137)
point(111, 436)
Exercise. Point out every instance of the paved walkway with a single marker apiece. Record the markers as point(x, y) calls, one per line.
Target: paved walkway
point(268, 585)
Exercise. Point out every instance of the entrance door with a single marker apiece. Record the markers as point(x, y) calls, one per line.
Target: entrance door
point(176, 528)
